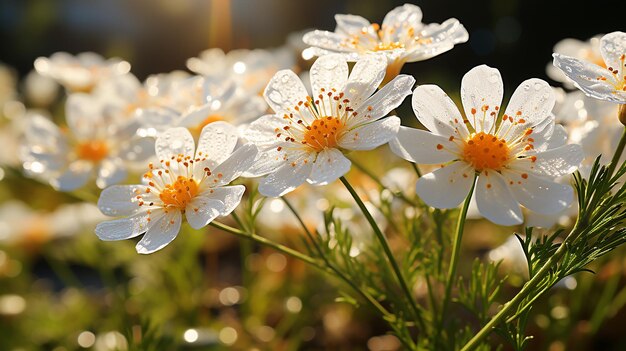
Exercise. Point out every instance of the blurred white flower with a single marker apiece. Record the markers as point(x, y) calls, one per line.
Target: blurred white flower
point(306, 138)
point(516, 160)
point(607, 82)
point(68, 158)
point(80, 73)
point(184, 182)
point(402, 37)
point(511, 255)
point(40, 90)
point(250, 69)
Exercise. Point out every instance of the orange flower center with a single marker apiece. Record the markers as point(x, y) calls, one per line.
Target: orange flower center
point(486, 151)
point(94, 150)
point(322, 133)
point(179, 193)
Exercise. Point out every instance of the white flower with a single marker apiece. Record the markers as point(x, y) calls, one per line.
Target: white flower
point(515, 157)
point(91, 144)
point(597, 81)
point(306, 138)
point(183, 183)
point(201, 100)
point(584, 50)
point(402, 37)
point(251, 69)
point(82, 72)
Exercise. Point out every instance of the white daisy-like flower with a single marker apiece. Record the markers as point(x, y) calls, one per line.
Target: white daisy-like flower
point(306, 138)
point(402, 37)
point(92, 143)
point(515, 157)
point(588, 50)
point(184, 182)
point(82, 72)
point(606, 82)
point(251, 69)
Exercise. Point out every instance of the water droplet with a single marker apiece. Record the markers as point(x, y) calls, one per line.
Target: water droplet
point(276, 97)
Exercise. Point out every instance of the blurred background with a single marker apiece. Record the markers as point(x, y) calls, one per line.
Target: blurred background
point(63, 289)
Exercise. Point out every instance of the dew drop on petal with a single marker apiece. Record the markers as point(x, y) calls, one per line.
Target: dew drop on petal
point(276, 97)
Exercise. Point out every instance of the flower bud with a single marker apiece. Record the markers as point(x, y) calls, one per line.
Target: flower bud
point(621, 115)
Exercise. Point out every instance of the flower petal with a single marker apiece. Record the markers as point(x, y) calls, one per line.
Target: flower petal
point(329, 165)
point(406, 15)
point(75, 176)
point(229, 198)
point(371, 135)
point(555, 162)
point(443, 38)
point(420, 146)
point(160, 233)
point(593, 80)
point(328, 40)
point(126, 228)
point(138, 150)
point(288, 177)
point(174, 142)
point(436, 111)
point(495, 201)
point(481, 93)
point(240, 161)
point(530, 105)
point(284, 91)
point(202, 210)
point(613, 48)
point(327, 73)
point(385, 100)
point(447, 186)
point(120, 200)
point(111, 171)
point(538, 194)
point(83, 115)
point(350, 24)
point(367, 74)
point(217, 142)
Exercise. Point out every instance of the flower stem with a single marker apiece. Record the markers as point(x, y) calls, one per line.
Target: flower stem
point(369, 298)
point(383, 242)
point(618, 153)
point(454, 259)
point(264, 241)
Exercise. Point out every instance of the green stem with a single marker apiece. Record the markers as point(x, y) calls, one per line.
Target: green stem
point(369, 298)
point(416, 169)
point(522, 294)
point(454, 259)
point(264, 241)
point(618, 153)
point(383, 242)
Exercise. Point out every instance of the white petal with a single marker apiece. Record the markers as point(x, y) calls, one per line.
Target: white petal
point(447, 186)
point(366, 76)
point(406, 15)
point(420, 146)
point(41, 131)
point(481, 93)
point(202, 210)
point(125, 228)
point(444, 36)
point(267, 160)
point(83, 115)
point(328, 72)
point(217, 142)
point(287, 178)
point(329, 165)
point(174, 142)
point(284, 92)
point(555, 162)
point(350, 24)
point(495, 201)
point(111, 171)
point(229, 196)
point(371, 135)
point(386, 99)
point(240, 161)
point(593, 80)
point(160, 233)
point(120, 200)
point(437, 112)
point(328, 40)
point(538, 194)
point(613, 48)
point(76, 175)
point(530, 104)
point(138, 150)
